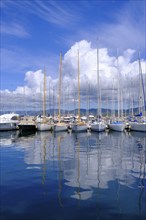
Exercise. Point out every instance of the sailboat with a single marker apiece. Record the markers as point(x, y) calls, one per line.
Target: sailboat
point(99, 124)
point(78, 125)
point(118, 124)
point(60, 126)
point(44, 124)
point(140, 123)
point(27, 123)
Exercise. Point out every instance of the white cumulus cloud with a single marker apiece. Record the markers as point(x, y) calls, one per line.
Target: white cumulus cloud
point(109, 75)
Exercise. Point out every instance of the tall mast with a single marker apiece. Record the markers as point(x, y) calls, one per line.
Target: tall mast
point(24, 101)
point(113, 100)
point(132, 99)
point(98, 86)
point(118, 86)
point(78, 86)
point(141, 88)
point(88, 100)
point(53, 101)
point(49, 97)
point(60, 78)
point(44, 99)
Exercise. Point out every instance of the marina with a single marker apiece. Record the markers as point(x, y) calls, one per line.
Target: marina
point(73, 110)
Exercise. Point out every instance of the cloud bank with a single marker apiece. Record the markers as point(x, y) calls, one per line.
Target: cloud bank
point(30, 95)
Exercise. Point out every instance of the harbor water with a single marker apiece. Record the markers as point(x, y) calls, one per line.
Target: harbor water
point(69, 176)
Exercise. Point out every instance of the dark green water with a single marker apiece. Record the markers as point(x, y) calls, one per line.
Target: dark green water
point(65, 176)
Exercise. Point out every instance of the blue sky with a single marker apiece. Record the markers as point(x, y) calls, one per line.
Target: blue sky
point(33, 32)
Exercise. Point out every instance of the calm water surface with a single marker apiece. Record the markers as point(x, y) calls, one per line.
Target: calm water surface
point(66, 176)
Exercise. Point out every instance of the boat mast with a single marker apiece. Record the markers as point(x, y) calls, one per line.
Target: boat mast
point(44, 99)
point(98, 87)
point(50, 97)
point(59, 92)
point(24, 101)
point(88, 100)
point(141, 88)
point(132, 98)
point(113, 107)
point(53, 101)
point(118, 86)
point(78, 87)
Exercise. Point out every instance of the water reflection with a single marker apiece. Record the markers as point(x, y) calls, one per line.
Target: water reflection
point(104, 169)
point(7, 138)
point(43, 156)
point(94, 158)
point(60, 172)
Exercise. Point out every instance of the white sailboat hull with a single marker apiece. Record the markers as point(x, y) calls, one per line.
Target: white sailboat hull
point(44, 127)
point(137, 126)
point(98, 126)
point(60, 128)
point(79, 128)
point(117, 127)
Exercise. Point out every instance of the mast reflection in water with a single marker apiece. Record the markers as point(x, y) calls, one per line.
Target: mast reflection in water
point(73, 176)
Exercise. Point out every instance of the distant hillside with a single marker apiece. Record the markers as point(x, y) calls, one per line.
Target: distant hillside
point(65, 112)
